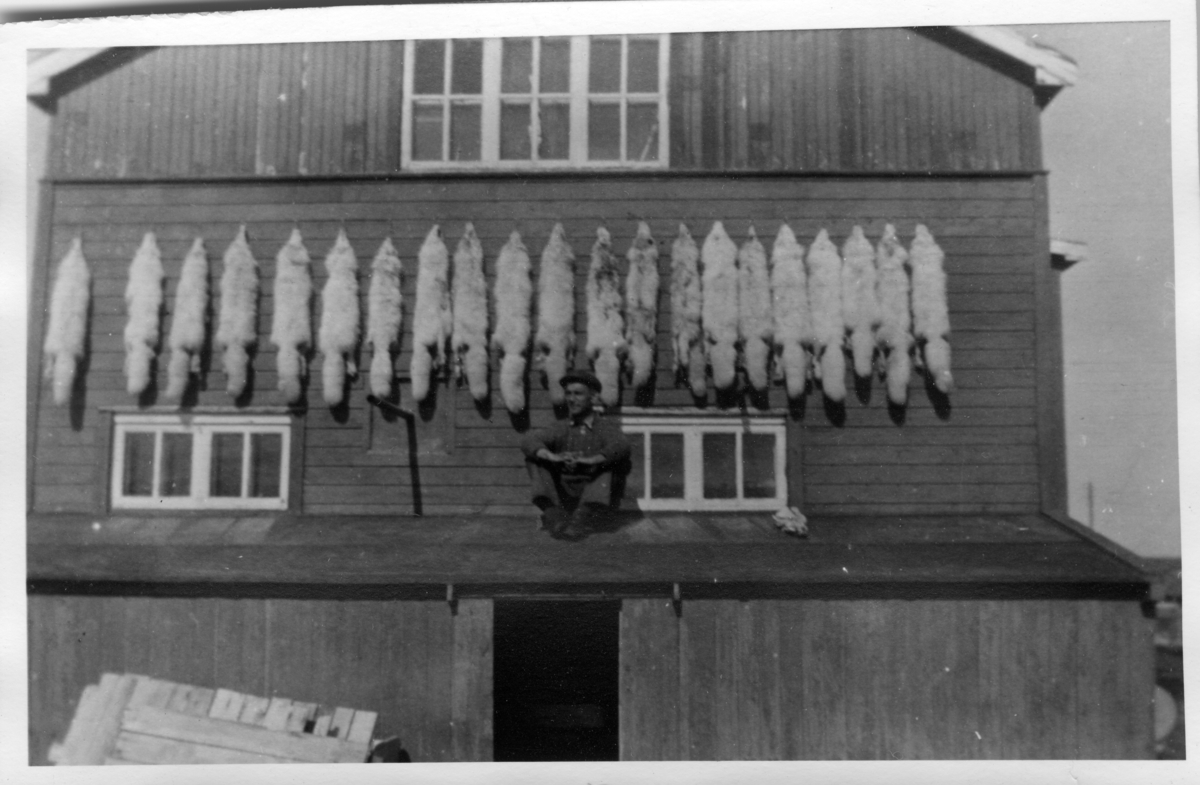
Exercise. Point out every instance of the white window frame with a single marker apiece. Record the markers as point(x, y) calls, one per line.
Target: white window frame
point(202, 427)
point(578, 100)
point(693, 430)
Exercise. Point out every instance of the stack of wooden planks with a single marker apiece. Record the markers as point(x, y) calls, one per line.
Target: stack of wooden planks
point(130, 719)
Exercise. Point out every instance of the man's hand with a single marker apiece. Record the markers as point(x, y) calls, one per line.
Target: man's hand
point(573, 462)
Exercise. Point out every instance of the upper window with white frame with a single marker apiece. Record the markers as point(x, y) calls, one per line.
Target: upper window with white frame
point(706, 463)
point(578, 101)
point(169, 461)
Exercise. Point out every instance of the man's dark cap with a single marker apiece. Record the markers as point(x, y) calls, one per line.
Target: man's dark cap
point(582, 377)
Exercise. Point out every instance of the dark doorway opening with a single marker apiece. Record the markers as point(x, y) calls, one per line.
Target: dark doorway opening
point(555, 680)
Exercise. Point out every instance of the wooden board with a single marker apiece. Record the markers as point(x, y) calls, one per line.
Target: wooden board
point(136, 719)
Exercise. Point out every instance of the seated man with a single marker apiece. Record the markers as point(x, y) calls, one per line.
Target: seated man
point(571, 462)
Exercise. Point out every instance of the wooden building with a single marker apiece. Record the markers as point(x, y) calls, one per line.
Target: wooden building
point(386, 557)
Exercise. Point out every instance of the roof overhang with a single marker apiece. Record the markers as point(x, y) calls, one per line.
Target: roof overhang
point(1064, 253)
point(1051, 67)
point(45, 68)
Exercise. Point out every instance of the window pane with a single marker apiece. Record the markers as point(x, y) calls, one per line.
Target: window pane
point(464, 132)
point(266, 460)
point(604, 132)
point(429, 67)
point(466, 67)
point(758, 465)
point(642, 133)
point(555, 74)
point(514, 131)
point(555, 144)
point(226, 475)
point(516, 65)
point(642, 73)
point(666, 465)
point(139, 464)
point(604, 67)
point(427, 132)
point(176, 465)
point(720, 465)
point(635, 483)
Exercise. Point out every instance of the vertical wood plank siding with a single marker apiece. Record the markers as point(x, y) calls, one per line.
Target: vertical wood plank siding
point(886, 679)
point(802, 100)
point(428, 673)
point(979, 455)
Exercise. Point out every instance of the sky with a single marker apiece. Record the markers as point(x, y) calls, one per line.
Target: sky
point(1106, 144)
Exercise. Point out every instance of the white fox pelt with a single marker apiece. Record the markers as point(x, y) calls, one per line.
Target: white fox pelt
point(188, 321)
point(825, 305)
point(789, 304)
point(384, 316)
point(66, 333)
point(554, 344)
point(432, 317)
point(755, 328)
point(512, 295)
point(470, 315)
point(720, 308)
point(687, 336)
point(606, 346)
point(894, 337)
point(641, 305)
point(237, 329)
point(860, 306)
point(291, 324)
point(143, 304)
point(338, 336)
point(931, 318)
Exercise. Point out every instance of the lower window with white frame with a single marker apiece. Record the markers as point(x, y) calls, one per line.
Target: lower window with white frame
point(706, 463)
point(200, 461)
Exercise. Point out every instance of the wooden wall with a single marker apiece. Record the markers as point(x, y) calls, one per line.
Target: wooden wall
point(976, 453)
point(885, 679)
point(428, 673)
point(819, 100)
point(848, 100)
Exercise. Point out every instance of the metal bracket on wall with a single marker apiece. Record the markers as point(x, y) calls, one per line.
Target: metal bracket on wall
point(677, 600)
point(451, 600)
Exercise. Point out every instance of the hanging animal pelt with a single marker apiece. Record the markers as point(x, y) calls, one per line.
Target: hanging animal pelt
point(860, 306)
point(554, 344)
point(606, 347)
point(754, 311)
point(237, 328)
point(432, 318)
point(143, 305)
point(641, 305)
point(513, 292)
point(338, 336)
point(470, 315)
point(720, 310)
point(291, 325)
point(687, 336)
point(188, 321)
point(66, 333)
point(384, 316)
point(825, 305)
point(894, 337)
point(789, 305)
point(931, 317)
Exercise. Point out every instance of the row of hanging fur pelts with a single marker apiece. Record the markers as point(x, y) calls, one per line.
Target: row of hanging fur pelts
point(731, 308)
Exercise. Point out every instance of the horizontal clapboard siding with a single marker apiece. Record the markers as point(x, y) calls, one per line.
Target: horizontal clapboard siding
point(807, 100)
point(426, 671)
point(976, 455)
point(885, 680)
